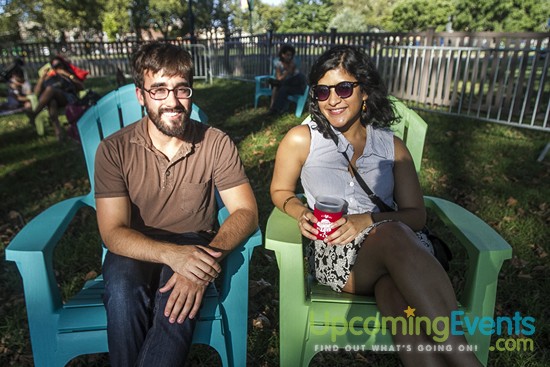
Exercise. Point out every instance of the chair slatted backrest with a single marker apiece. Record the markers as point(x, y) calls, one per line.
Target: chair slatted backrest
point(130, 108)
point(411, 129)
point(115, 110)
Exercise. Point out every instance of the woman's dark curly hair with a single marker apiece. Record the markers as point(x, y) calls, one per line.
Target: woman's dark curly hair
point(379, 111)
point(285, 48)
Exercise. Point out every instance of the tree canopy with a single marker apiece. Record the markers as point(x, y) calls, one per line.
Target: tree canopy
point(92, 19)
point(418, 15)
point(306, 16)
point(502, 15)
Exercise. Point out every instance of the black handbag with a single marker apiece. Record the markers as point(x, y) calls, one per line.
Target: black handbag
point(60, 82)
point(274, 82)
point(442, 252)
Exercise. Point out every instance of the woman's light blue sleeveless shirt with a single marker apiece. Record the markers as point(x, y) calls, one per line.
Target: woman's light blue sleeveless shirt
point(325, 171)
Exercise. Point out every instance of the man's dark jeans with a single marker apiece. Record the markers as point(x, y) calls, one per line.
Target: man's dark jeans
point(138, 332)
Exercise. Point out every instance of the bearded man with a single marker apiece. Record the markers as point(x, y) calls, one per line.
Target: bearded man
point(155, 183)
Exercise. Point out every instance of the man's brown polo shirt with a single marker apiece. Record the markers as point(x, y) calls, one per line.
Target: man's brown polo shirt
point(168, 196)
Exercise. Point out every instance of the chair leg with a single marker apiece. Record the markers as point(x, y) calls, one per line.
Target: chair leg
point(299, 109)
point(293, 329)
point(543, 152)
point(300, 104)
point(41, 120)
point(292, 345)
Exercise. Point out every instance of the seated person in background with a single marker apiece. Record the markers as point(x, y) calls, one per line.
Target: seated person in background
point(371, 253)
point(56, 88)
point(17, 91)
point(155, 184)
point(288, 80)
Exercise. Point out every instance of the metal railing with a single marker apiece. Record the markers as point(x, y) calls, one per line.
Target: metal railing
point(509, 86)
point(499, 77)
point(99, 58)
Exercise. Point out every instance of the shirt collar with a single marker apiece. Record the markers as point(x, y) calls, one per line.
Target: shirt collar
point(370, 146)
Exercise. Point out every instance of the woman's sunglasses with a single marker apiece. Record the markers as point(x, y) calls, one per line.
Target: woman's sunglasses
point(343, 90)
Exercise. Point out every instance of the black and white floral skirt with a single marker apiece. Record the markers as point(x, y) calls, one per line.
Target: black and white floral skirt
point(331, 264)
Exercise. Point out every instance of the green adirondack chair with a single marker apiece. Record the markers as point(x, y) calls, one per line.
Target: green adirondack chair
point(59, 330)
point(304, 305)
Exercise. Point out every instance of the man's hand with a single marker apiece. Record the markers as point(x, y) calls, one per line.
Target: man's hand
point(196, 263)
point(185, 299)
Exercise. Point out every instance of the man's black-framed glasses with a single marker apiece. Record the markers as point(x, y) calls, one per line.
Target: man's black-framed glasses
point(343, 90)
point(162, 93)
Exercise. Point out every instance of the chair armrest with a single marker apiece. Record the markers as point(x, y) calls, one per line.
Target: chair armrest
point(32, 250)
point(262, 82)
point(235, 267)
point(260, 78)
point(284, 237)
point(33, 98)
point(486, 249)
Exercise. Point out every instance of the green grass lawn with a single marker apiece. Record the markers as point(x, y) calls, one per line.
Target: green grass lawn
point(489, 169)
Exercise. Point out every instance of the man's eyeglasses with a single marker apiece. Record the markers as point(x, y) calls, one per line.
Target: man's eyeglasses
point(343, 90)
point(162, 93)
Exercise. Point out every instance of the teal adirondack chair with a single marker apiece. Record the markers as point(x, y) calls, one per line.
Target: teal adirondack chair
point(262, 88)
point(61, 330)
point(304, 305)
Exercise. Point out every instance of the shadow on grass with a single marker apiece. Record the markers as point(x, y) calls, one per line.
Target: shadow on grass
point(478, 165)
point(42, 177)
point(492, 171)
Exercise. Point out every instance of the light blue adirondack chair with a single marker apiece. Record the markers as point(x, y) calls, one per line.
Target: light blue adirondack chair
point(61, 331)
point(263, 88)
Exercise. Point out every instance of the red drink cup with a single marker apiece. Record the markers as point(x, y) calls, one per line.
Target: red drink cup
point(327, 210)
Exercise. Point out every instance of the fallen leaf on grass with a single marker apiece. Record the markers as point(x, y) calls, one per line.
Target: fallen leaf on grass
point(539, 251)
point(91, 275)
point(16, 218)
point(511, 201)
point(261, 322)
point(257, 286)
point(268, 257)
point(5, 227)
point(518, 263)
point(431, 171)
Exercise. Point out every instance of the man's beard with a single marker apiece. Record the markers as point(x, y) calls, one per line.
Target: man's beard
point(172, 130)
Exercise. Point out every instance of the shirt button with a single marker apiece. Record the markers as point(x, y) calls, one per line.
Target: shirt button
point(167, 173)
point(351, 183)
